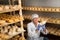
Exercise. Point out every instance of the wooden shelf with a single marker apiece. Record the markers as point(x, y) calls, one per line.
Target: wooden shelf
point(44, 9)
point(53, 30)
point(9, 23)
point(10, 8)
point(7, 36)
point(10, 36)
point(50, 19)
point(9, 19)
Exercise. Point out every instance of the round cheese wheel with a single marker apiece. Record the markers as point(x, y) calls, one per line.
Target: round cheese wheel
point(15, 7)
point(2, 21)
point(1, 9)
point(6, 7)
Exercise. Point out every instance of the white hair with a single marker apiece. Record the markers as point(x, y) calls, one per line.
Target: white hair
point(34, 16)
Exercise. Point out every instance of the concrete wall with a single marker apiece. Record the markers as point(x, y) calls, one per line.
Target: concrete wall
point(49, 3)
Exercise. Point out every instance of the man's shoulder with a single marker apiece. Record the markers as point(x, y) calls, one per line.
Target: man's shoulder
point(30, 23)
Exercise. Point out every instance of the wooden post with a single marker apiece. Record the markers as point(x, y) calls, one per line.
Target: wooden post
point(20, 12)
point(13, 5)
point(10, 6)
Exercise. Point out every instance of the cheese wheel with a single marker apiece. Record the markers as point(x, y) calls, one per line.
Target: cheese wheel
point(1, 8)
point(10, 21)
point(15, 7)
point(6, 7)
point(2, 22)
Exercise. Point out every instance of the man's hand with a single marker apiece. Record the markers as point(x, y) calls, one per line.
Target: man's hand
point(44, 30)
point(36, 30)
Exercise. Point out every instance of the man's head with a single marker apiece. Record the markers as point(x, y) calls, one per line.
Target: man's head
point(35, 18)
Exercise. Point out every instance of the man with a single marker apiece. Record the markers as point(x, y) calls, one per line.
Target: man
point(34, 28)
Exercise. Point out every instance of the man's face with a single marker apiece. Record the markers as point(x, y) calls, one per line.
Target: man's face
point(35, 20)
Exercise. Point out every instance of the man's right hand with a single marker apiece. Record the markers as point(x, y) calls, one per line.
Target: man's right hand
point(36, 30)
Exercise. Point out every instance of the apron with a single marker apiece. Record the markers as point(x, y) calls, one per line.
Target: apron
point(31, 38)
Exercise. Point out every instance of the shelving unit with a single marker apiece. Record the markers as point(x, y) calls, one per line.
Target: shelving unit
point(16, 18)
point(44, 9)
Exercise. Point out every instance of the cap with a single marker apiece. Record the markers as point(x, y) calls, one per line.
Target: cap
point(34, 16)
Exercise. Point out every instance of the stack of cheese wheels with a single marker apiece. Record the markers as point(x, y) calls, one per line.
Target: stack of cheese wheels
point(58, 32)
point(53, 30)
point(17, 37)
point(50, 19)
point(2, 22)
point(10, 18)
point(27, 16)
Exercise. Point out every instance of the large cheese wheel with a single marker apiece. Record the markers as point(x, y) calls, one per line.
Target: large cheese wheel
point(1, 9)
point(15, 7)
point(6, 7)
point(2, 21)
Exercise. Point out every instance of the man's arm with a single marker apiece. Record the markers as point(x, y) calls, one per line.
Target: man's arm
point(44, 30)
point(30, 31)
